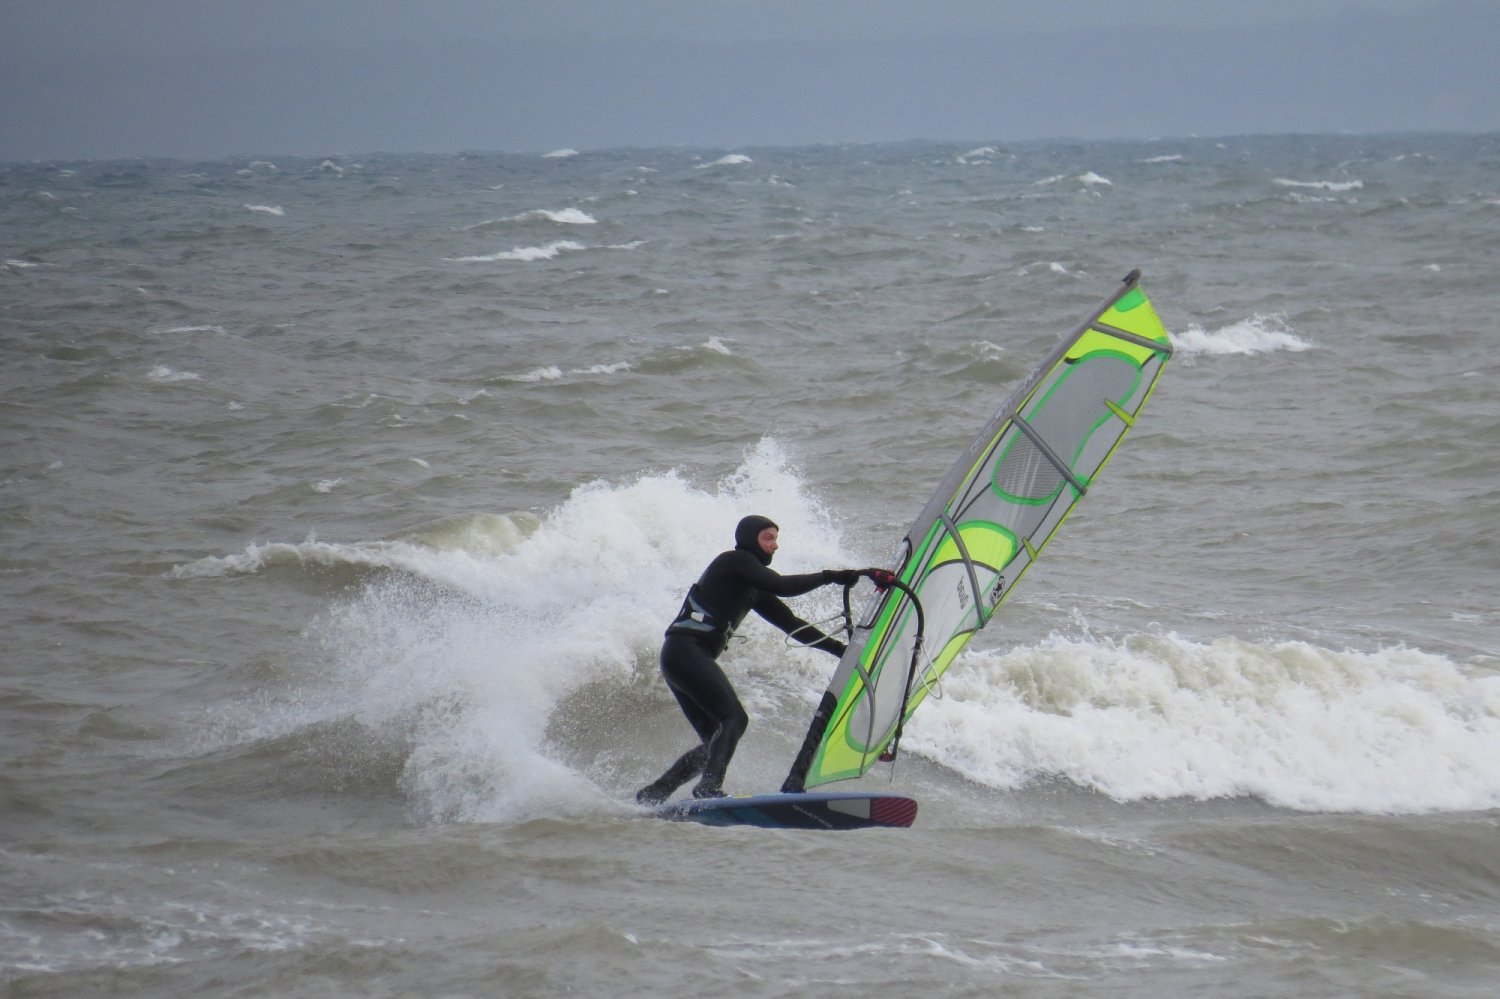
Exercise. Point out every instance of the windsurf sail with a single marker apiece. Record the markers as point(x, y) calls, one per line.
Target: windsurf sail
point(985, 525)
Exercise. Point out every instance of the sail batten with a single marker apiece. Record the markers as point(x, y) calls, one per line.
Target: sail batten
point(1050, 455)
point(1120, 334)
point(986, 524)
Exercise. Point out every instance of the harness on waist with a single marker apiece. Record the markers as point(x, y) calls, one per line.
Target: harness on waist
point(696, 619)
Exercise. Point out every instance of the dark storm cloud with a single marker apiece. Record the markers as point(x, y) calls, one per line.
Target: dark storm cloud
point(165, 77)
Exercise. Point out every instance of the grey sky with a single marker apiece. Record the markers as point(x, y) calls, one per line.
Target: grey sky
point(105, 78)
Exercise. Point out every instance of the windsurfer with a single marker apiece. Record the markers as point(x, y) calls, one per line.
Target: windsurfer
point(735, 583)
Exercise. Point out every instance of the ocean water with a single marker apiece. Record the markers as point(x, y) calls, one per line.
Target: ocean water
point(343, 503)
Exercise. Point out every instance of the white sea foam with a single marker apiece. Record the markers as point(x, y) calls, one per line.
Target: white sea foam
point(1089, 179)
point(560, 154)
point(164, 375)
point(565, 216)
point(1298, 198)
point(986, 350)
point(552, 373)
point(1051, 266)
point(979, 155)
point(194, 329)
point(1322, 185)
point(1259, 334)
point(733, 159)
point(1162, 717)
point(266, 209)
point(258, 556)
point(146, 930)
point(1174, 158)
point(523, 253)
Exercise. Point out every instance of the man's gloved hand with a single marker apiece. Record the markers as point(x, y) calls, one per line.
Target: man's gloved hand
point(882, 578)
point(845, 577)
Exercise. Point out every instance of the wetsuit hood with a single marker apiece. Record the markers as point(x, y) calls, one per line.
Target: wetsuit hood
point(747, 536)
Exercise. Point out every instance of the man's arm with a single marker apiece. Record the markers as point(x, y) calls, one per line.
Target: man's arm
point(782, 616)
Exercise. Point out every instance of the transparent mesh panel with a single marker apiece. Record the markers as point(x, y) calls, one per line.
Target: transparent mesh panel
point(1064, 428)
point(1025, 472)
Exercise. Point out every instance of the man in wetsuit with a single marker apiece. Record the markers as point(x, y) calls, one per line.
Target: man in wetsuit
point(735, 583)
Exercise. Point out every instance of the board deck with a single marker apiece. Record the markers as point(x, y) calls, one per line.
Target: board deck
point(809, 810)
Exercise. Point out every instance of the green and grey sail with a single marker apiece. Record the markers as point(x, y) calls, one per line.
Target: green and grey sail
point(986, 524)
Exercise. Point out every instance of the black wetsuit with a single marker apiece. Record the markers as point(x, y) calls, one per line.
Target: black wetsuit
point(735, 583)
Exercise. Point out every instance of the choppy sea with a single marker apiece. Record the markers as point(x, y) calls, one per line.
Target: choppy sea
point(343, 503)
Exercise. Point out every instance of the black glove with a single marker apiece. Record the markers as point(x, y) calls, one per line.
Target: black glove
point(846, 577)
point(882, 578)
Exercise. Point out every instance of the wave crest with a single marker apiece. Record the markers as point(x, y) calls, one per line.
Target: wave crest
point(1260, 334)
point(1157, 717)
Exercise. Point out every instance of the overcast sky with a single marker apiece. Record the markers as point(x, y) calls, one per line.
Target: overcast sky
point(200, 78)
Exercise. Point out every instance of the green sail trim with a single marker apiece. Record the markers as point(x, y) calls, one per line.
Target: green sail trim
point(987, 523)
